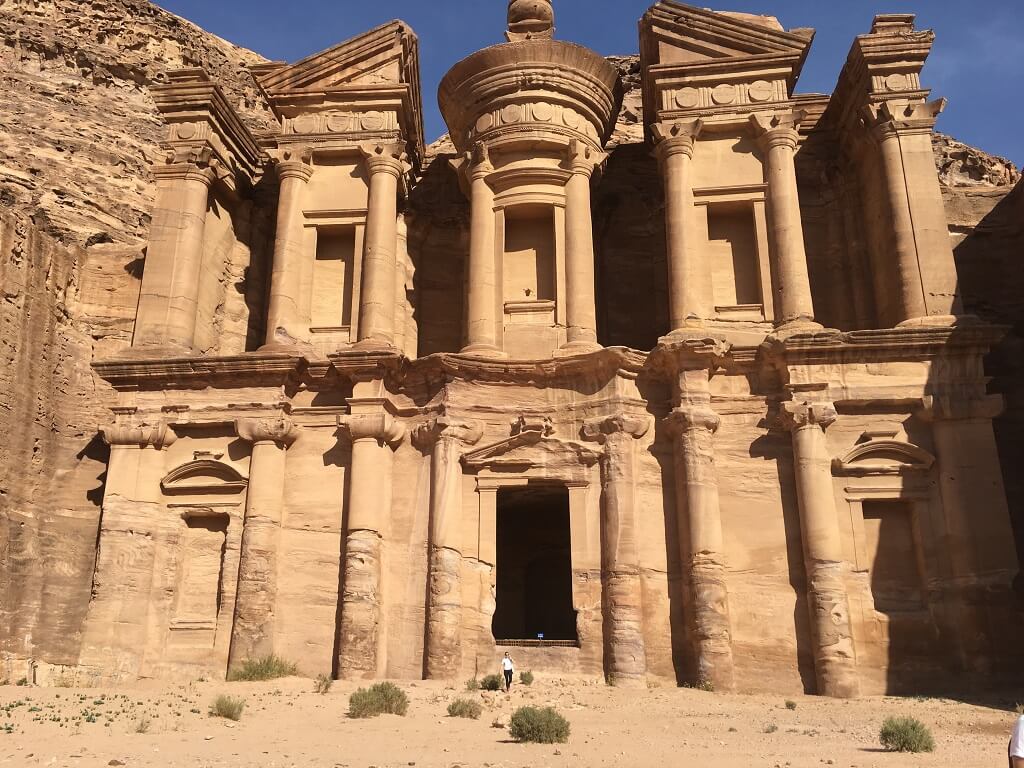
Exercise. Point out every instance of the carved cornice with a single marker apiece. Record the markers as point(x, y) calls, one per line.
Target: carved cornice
point(279, 430)
point(158, 436)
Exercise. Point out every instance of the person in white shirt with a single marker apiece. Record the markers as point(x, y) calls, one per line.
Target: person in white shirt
point(507, 667)
point(1016, 750)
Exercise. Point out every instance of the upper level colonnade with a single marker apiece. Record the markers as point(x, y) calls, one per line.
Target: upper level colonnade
point(530, 121)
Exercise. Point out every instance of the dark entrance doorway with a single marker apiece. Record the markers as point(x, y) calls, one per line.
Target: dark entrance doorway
point(534, 568)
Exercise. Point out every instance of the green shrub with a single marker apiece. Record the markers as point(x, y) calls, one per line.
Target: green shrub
point(266, 668)
point(542, 725)
point(771, 728)
point(378, 699)
point(228, 707)
point(906, 734)
point(465, 708)
point(22, 681)
point(492, 683)
point(323, 684)
point(790, 704)
point(472, 684)
point(526, 678)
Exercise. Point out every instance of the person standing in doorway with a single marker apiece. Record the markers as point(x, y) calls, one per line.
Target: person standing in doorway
point(507, 668)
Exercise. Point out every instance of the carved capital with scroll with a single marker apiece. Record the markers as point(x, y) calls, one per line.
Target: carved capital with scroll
point(382, 427)
point(692, 418)
point(447, 428)
point(677, 137)
point(583, 159)
point(280, 430)
point(383, 157)
point(631, 425)
point(800, 414)
point(158, 436)
point(779, 129)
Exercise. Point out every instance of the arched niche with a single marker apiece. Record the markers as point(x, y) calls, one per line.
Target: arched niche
point(883, 457)
point(203, 476)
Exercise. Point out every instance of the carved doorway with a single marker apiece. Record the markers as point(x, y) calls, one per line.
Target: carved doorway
point(534, 601)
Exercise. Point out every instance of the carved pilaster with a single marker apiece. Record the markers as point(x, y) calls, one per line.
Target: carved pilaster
point(834, 654)
point(622, 593)
point(446, 438)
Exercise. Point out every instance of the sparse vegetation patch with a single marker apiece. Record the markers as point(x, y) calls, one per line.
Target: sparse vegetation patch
point(906, 734)
point(323, 684)
point(227, 707)
point(491, 683)
point(541, 725)
point(378, 699)
point(265, 668)
point(465, 708)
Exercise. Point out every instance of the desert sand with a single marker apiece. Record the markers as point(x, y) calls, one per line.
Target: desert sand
point(286, 724)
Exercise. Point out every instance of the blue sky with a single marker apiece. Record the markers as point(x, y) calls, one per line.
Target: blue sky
point(977, 62)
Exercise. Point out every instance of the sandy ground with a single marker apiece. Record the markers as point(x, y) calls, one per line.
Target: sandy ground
point(286, 724)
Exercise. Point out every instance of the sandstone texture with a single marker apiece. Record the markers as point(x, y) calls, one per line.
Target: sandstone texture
point(651, 373)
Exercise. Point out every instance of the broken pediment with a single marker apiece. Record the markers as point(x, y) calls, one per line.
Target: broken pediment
point(203, 476)
point(883, 457)
point(674, 33)
point(367, 87)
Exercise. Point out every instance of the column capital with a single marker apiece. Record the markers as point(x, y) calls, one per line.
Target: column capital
point(949, 408)
point(385, 158)
point(798, 414)
point(778, 129)
point(184, 171)
point(602, 427)
point(690, 418)
point(466, 432)
point(676, 137)
point(294, 169)
point(382, 427)
point(280, 430)
point(158, 436)
point(888, 119)
point(583, 159)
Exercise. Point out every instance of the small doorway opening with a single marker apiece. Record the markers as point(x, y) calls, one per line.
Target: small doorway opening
point(534, 568)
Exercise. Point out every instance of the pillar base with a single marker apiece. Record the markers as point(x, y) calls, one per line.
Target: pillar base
point(484, 350)
point(578, 348)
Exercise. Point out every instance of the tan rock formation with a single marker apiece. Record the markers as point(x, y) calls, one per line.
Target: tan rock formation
point(654, 369)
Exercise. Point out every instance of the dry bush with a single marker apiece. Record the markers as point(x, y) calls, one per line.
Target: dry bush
point(526, 678)
point(227, 707)
point(542, 725)
point(323, 684)
point(465, 708)
point(378, 699)
point(266, 668)
point(906, 734)
point(491, 683)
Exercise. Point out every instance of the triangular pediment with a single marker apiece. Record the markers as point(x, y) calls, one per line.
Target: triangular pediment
point(385, 56)
point(674, 33)
point(530, 449)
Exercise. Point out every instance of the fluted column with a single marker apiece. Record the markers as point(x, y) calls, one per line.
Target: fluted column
point(252, 634)
point(385, 165)
point(925, 271)
point(700, 521)
point(835, 660)
point(779, 139)
point(446, 438)
point(116, 630)
point(580, 301)
point(689, 274)
point(482, 285)
point(283, 314)
point(625, 651)
point(362, 629)
point(169, 299)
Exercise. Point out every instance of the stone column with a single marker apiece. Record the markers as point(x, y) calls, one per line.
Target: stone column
point(116, 630)
point(919, 228)
point(978, 533)
point(169, 299)
point(625, 652)
point(580, 302)
point(700, 523)
point(283, 314)
point(362, 627)
point(689, 274)
point(779, 139)
point(482, 284)
point(446, 438)
point(252, 634)
point(385, 165)
point(835, 660)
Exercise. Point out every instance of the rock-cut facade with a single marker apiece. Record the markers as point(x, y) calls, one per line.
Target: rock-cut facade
point(462, 399)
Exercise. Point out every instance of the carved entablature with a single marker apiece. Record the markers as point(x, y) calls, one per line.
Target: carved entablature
point(365, 89)
point(699, 63)
point(204, 130)
point(539, 116)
